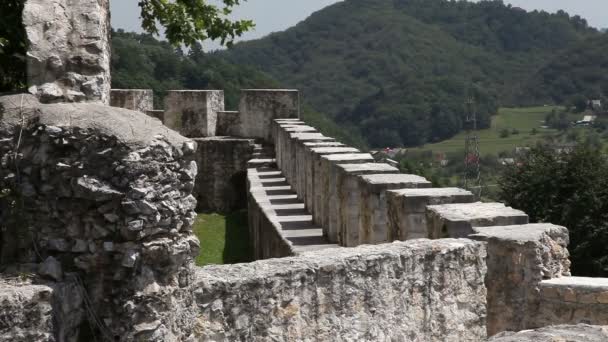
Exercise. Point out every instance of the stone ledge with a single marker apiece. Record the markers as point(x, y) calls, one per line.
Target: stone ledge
point(574, 333)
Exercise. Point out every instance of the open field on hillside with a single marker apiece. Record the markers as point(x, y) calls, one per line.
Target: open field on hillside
point(224, 238)
point(523, 120)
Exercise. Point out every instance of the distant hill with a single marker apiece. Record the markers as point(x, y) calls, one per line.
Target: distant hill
point(581, 70)
point(398, 71)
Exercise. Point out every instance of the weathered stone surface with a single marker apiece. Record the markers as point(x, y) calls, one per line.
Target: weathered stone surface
point(141, 100)
point(229, 124)
point(345, 209)
point(68, 57)
point(373, 218)
point(259, 107)
point(519, 258)
point(221, 184)
point(100, 186)
point(407, 209)
point(370, 293)
point(458, 220)
point(193, 113)
point(565, 333)
point(25, 312)
point(51, 268)
point(325, 175)
point(573, 300)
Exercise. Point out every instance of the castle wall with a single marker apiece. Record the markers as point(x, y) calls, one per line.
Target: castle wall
point(68, 57)
point(193, 113)
point(413, 291)
point(259, 107)
point(221, 182)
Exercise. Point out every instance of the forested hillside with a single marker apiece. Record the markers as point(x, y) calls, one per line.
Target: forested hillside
point(399, 71)
point(581, 70)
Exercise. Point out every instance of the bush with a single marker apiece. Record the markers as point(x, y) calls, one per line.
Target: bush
point(569, 190)
point(504, 133)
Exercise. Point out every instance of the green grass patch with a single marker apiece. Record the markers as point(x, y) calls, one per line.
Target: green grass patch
point(524, 120)
point(224, 238)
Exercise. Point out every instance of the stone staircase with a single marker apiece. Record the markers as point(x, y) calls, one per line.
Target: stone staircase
point(286, 209)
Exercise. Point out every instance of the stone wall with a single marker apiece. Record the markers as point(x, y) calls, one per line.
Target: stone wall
point(413, 291)
point(221, 184)
point(141, 100)
point(68, 57)
point(106, 195)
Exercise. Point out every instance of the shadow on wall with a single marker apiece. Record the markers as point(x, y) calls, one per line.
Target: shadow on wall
point(237, 192)
point(237, 248)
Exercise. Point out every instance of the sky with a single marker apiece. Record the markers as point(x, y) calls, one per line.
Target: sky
point(278, 15)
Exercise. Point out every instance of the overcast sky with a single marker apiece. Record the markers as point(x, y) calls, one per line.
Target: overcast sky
point(277, 15)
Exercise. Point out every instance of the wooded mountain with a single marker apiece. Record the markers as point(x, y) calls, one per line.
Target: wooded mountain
point(581, 70)
point(399, 71)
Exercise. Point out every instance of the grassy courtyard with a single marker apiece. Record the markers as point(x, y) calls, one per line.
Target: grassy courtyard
point(224, 238)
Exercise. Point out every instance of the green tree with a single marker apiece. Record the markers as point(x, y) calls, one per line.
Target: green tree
point(12, 46)
point(188, 21)
point(569, 190)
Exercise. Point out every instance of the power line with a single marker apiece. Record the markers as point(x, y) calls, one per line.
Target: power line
point(472, 166)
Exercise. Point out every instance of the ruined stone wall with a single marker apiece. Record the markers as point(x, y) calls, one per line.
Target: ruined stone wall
point(68, 57)
point(105, 194)
point(221, 184)
point(414, 291)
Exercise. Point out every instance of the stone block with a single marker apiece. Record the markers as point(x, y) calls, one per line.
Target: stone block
point(407, 209)
point(373, 218)
point(309, 162)
point(141, 100)
point(260, 107)
point(304, 161)
point(325, 176)
point(229, 124)
point(193, 113)
point(68, 50)
point(287, 147)
point(458, 220)
point(26, 312)
point(573, 300)
point(520, 257)
point(344, 210)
